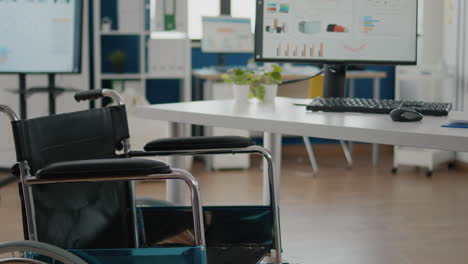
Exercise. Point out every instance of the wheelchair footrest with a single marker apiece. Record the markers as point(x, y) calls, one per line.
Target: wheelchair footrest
point(234, 234)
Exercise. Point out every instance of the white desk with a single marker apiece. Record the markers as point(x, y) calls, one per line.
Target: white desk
point(285, 118)
point(211, 76)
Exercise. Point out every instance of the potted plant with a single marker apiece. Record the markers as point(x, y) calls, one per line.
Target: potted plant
point(117, 59)
point(241, 81)
point(265, 84)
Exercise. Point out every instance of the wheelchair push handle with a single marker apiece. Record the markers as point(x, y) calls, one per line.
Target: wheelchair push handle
point(9, 112)
point(97, 94)
point(89, 95)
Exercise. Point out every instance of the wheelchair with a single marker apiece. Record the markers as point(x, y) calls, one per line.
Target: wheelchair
point(76, 182)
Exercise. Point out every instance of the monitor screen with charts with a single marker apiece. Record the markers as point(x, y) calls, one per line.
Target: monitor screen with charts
point(227, 35)
point(337, 31)
point(40, 36)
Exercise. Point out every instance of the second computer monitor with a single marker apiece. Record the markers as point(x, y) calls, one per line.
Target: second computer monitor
point(337, 31)
point(227, 35)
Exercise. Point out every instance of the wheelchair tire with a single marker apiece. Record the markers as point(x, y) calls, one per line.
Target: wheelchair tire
point(43, 249)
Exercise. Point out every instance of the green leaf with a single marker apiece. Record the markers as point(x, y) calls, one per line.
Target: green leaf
point(238, 76)
point(277, 68)
point(257, 91)
point(276, 76)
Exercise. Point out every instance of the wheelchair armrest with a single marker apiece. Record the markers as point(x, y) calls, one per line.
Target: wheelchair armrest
point(199, 143)
point(103, 168)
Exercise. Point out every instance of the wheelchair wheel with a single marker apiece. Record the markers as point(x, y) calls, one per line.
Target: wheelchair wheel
point(43, 251)
point(20, 260)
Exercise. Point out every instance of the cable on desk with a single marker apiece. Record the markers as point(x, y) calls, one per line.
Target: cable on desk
point(304, 79)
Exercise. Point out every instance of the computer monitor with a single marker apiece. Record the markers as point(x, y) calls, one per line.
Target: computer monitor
point(227, 34)
point(337, 33)
point(40, 36)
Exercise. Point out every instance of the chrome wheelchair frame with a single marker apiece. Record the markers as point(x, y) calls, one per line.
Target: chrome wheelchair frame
point(27, 180)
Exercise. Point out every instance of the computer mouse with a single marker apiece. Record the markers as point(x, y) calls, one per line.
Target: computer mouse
point(405, 115)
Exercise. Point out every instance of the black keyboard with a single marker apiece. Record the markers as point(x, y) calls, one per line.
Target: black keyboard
point(372, 106)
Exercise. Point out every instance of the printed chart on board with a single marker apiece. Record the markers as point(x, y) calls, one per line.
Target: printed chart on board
point(39, 35)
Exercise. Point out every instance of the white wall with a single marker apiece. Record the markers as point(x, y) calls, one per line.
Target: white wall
point(430, 57)
point(432, 31)
point(38, 104)
point(456, 52)
point(463, 79)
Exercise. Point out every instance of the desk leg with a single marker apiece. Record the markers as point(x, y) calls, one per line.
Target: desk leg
point(208, 90)
point(197, 96)
point(351, 88)
point(272, 142)
point(375, 147)
point(208, 130)
point(175, 189)
point(198, 92)
point(352, 94)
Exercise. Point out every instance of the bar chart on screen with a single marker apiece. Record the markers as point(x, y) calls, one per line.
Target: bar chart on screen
point(369, 23)
point(337, 29)
point(296, 49)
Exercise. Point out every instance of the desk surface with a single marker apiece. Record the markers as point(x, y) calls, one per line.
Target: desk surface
point(293, 73)
point(285, 118)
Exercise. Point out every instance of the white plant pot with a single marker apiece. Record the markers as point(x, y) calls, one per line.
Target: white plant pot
point(270, 92)
point(241, 93)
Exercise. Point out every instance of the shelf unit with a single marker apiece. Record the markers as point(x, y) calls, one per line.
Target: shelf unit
point(143, 131)
point(144, 34)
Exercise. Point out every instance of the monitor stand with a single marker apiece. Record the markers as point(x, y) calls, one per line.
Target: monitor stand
point(23, 96)
point(51, 90)
point(334, 83)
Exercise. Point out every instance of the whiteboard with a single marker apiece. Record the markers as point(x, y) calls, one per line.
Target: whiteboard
point(40, 36)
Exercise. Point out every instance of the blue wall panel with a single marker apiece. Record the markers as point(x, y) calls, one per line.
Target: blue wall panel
point(200, 59)
point(127, 44)
point(109, 9)
point(163, 91)
point(364, 88)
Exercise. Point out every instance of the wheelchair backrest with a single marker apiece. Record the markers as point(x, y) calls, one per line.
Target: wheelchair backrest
point(77, 215)
point(89, 134)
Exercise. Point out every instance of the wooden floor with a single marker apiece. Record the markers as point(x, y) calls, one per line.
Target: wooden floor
point(347, 216)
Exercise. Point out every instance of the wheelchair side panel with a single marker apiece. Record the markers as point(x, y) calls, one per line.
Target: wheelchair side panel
point(186, 255)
